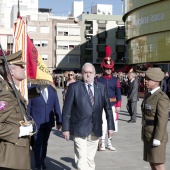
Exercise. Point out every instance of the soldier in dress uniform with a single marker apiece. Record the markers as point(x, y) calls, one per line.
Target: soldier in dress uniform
point(114, 93)
point(14, 137)
point(155, 108)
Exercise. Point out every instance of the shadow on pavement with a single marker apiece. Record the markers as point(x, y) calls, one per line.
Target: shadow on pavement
point(57, 133)
point(69, 160)
point(127, 114)
point(52, 164)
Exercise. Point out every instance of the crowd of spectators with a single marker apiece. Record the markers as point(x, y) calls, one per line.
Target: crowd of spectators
point(61, 81)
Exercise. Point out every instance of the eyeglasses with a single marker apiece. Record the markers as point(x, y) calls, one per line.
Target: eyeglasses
point(70, 74)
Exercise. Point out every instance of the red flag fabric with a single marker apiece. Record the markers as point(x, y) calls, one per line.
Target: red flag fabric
point(36, 67)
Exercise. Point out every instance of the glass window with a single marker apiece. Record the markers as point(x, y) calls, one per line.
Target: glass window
point(74, 31)
point(62, 31)
point(44, 43)
point(74, 45)
point(37, 43)
point(62, 45)
point(44, 56)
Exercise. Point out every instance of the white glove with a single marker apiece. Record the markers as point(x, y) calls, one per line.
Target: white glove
point(156, 142)
point(25, 130)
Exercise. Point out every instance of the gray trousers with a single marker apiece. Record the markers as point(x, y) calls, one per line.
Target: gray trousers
point(132, 109)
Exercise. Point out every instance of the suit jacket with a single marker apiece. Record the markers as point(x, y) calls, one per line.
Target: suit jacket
point(133, 91)
point(156, 109)
point(79, 116)
point(14, 151)
point(43, 112)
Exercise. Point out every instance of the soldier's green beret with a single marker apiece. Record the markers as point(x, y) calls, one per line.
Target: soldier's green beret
point(15, 58)
point(155, 74)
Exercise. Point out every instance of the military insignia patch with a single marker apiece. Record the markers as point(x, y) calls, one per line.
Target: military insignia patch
point(3, 105)
point(6, 88)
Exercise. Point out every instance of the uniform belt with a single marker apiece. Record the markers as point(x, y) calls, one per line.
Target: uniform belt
point(148, 122)
point(113, 99)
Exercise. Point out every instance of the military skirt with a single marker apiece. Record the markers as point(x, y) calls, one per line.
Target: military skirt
point(154, 154)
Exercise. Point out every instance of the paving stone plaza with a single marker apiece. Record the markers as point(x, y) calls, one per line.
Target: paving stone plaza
point(129, 147)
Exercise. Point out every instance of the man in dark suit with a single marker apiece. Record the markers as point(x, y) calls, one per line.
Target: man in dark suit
point(82, 116)
point(43, 110)
point(132, 97)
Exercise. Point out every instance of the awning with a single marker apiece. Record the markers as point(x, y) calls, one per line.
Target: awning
point(124, 69)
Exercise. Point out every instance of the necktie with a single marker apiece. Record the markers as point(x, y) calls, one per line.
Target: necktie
point(90, 95)
point(44, 95)
point(147, 95)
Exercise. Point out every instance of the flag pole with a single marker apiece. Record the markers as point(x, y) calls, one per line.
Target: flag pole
point(18, 14)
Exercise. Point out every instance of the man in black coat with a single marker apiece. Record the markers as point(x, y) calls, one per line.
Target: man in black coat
point(82, 116)
point(132, 97)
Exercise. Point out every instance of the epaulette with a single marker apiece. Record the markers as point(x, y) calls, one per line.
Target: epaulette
point(161, 92)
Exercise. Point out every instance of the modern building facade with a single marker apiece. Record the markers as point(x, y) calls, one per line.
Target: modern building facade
point(97, 32)
point(66, 43)
point(147, 24)
point(9, 10)
point(67, 36)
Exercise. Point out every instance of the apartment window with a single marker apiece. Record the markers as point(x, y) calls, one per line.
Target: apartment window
point(44, 29)
point(31, 29)
point(37, 43)
point(62, 31)
point(74, 31)
point(120, 34)
point(62, 45)
point(44, 56)
point(74, 45)
point(101, 40)
point(44, 43)
point(120, 48)
point(101, 27)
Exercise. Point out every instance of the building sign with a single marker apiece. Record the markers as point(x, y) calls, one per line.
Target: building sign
point(137, 22)
point(147, 24)
point(150, 48)
point(148, 20)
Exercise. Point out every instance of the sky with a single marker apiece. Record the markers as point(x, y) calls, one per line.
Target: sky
point(62, 7)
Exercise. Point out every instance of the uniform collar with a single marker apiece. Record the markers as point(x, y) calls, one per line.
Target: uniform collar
point(154, 90)
point(107, 76)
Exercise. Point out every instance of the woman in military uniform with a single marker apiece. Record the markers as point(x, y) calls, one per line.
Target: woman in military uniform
point(155, 108)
